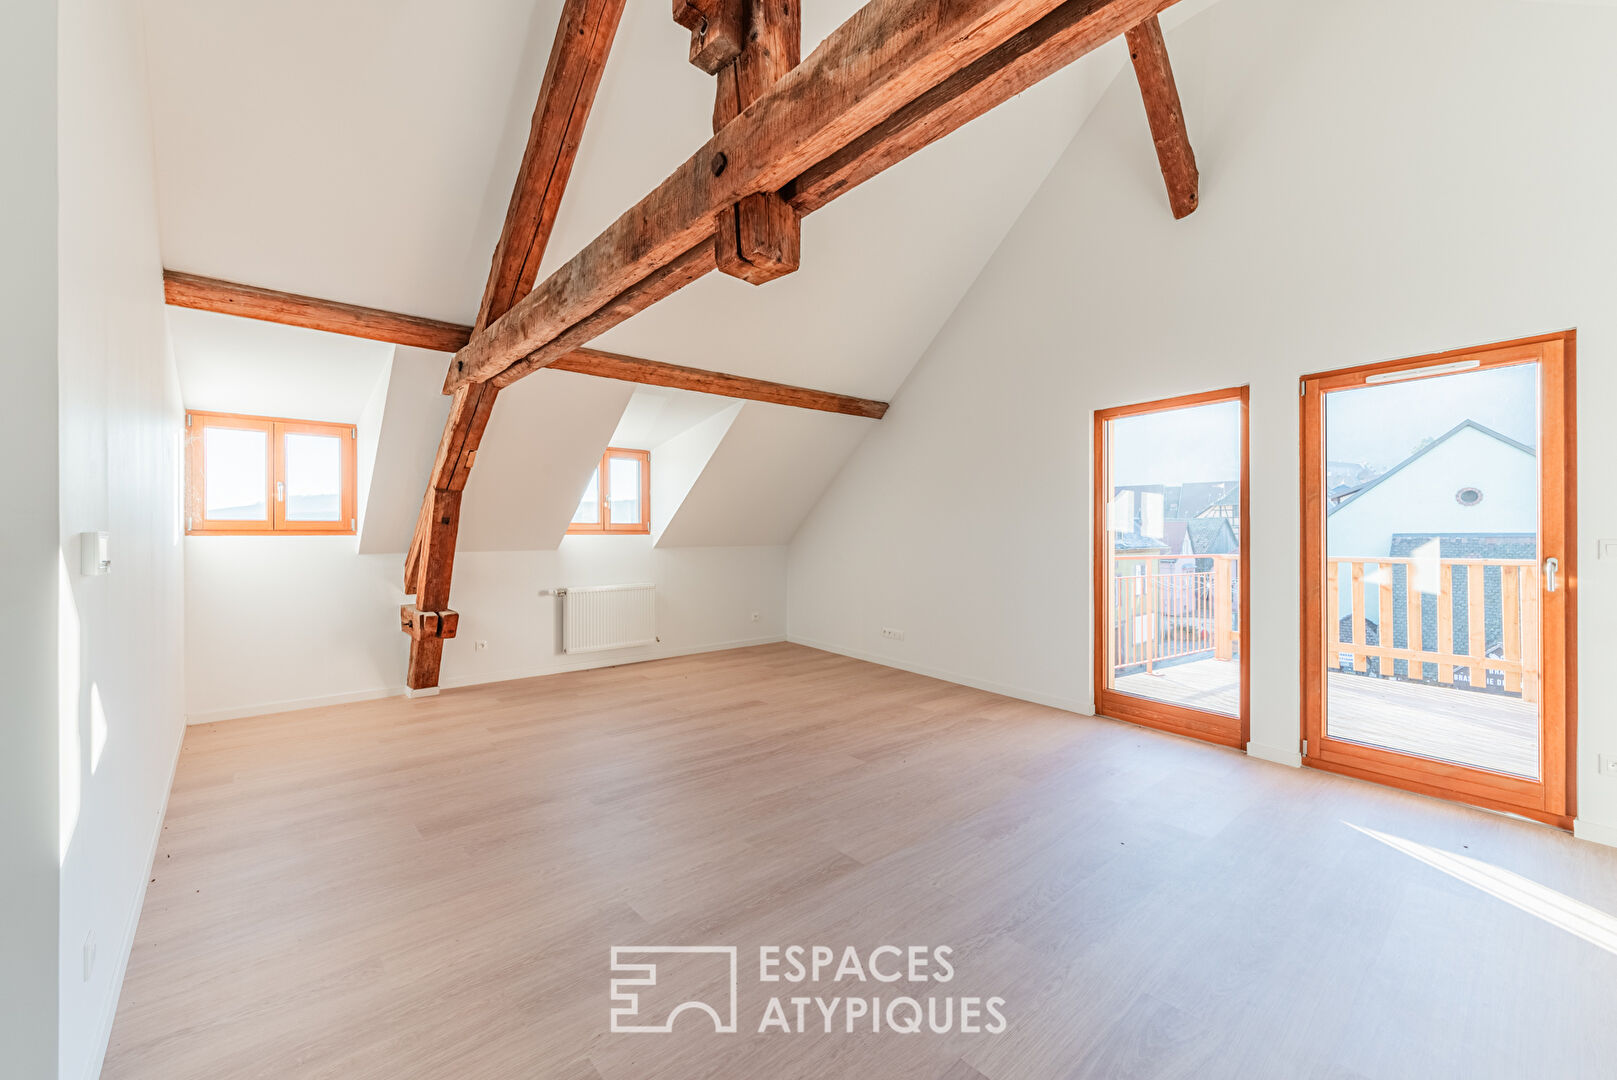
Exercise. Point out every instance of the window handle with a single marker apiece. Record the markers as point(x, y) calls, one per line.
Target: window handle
point(280, 491)
point(1552, 566)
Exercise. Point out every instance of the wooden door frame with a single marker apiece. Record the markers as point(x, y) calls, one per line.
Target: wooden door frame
point(1210, 727)
point(1552, 798)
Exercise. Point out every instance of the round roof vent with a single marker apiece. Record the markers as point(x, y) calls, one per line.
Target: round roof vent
point(1468, 496)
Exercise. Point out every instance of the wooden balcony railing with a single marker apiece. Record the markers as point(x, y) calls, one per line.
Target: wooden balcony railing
point(1161, 612)
point(1472, 617)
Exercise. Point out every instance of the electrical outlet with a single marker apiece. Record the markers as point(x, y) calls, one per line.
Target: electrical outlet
point(889, 632)
point(1607, 764)
point(89, 955)
point(479, 646)
point(755, 616)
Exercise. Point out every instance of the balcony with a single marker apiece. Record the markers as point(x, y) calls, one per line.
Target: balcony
point(1473, 702)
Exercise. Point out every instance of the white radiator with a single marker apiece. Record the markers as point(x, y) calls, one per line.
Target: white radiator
point(600, 617)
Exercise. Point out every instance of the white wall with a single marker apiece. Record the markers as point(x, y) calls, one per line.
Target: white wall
point(28, 540)
point(1380, 179)
point(120, 437)
point(324, 625)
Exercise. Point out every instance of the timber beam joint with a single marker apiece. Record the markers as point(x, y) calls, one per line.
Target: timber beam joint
point(422, 625)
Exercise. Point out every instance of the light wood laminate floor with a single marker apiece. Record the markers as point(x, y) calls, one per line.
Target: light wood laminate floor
point(431, 888)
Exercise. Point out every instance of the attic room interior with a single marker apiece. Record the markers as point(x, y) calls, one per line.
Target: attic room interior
point(936, 539)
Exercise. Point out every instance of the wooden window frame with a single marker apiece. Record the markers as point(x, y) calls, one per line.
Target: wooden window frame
point(275, 429)
point(1551, 798)
point(1219, 728)
point(603, 526)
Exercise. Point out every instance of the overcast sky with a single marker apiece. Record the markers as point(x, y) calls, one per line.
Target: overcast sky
point(1383, 424)
point(1379, 426)
point(1185, 446)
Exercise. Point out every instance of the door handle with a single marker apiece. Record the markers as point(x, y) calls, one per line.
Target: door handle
point(1552, 566)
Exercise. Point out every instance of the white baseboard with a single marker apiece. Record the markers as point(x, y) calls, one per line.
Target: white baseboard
point(424, 691)
point(126, 946)
point(556, 667)
point(1590, 830)
point(1277, 754)
point(292, 704)
point(1072, 705)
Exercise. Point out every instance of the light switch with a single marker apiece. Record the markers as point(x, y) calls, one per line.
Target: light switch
point(1606, 549)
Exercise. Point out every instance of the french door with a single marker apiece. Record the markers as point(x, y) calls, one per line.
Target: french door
point(1439, 574)
point(1172, 645)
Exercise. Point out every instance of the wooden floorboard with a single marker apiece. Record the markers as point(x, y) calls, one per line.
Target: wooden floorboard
point(1488, 730)
point(430, 888)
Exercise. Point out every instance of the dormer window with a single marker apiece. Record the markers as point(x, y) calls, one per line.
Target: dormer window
point(618, 498)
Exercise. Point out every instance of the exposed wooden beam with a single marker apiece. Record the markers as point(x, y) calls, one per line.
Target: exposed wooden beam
point(1061, 37)
point(759, 238)
point(718, 30)
point(1155, 73)
point(886, 55)
point(629, 369)
point(578, 56)
point(250, 302)
point(604, 365)
point(584, 36)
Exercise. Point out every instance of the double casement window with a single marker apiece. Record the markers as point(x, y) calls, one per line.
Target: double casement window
point(618, 499)
point(261, 475)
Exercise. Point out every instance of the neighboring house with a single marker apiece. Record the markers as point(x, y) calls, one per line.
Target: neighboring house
point(1472, 493)
point(1472, 480)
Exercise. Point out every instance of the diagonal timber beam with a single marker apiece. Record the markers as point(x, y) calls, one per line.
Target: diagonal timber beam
point(1155, 73)
point(578, 57)
point(584, 35)
point(1061, 37)
point(885, 56)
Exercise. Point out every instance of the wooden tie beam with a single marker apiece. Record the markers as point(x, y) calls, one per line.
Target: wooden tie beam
point(268, 305)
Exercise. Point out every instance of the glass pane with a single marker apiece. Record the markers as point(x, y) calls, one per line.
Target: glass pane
point(313, 478)
point(1175, 527)
point(589, 504)
point(1432, 554)
point(236, 467)
point(624, 493)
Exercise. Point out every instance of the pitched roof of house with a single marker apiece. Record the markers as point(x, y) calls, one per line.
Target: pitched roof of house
point(1211, 536)
point(1133, 541)
point(1427, 449)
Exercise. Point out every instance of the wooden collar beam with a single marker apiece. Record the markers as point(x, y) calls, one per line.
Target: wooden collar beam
point(890, 54)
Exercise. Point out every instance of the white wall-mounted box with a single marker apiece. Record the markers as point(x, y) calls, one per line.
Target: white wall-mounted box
point(94, 556)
